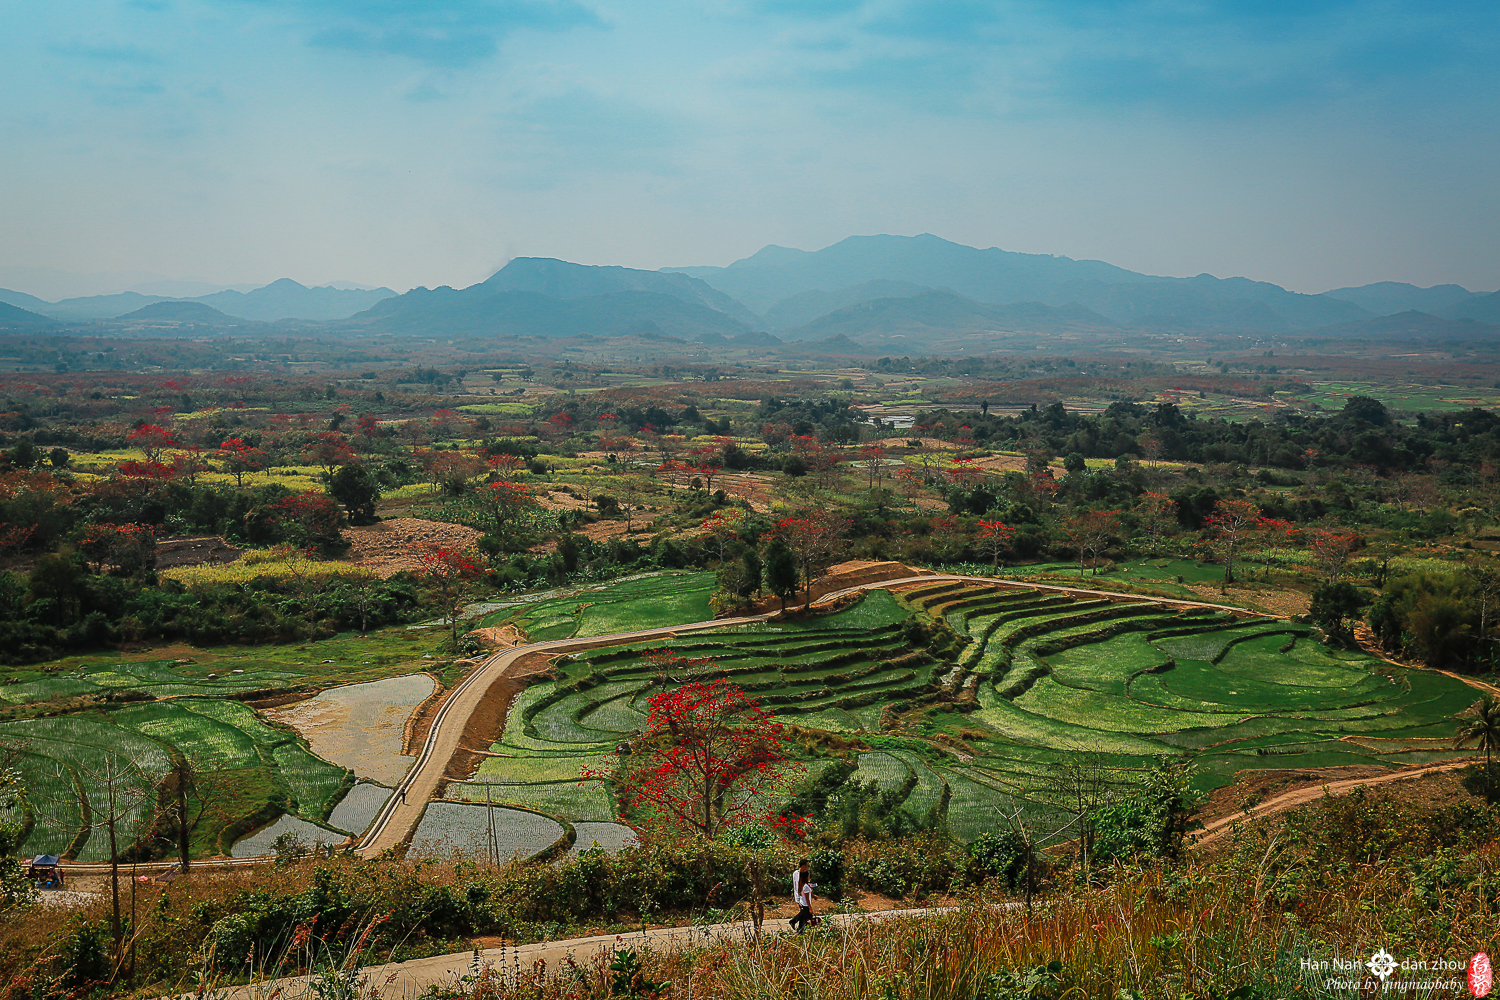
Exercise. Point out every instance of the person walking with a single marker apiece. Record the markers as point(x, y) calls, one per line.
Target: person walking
point(802, 895)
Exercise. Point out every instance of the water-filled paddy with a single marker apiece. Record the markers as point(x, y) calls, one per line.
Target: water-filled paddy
point(356, 810)
point(359, 726)
point(260, 841)
point(455, 828)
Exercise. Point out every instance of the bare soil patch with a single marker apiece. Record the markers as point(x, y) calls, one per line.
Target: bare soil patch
point(174, 552)
point(1251, 788)
point(1001, 463)
point(498, 636)
point(360, 726)
point(1283, 603)
point(601, 531)
point(395, 545)
point(1409, 784)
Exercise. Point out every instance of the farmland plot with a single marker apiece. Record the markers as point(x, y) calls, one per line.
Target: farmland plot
point(1048, 679)
point(244, 771)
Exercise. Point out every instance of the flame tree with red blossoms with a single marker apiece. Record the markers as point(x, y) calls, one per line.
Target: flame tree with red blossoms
point(711, 755)
point(447, 570)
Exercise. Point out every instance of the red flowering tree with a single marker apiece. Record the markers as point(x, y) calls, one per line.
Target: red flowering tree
point(506, 466)
point(130, 548)
point(995, 537)
point(152, 439)
point(505, 504)
point(1331, 551)
point(671, 667)
point(711, 755)
point(328, 450)
point(313, 518)
point(1279, 532)
point(707, 462)
point(132, 469)
point(448, 570)
point(822, 462)
point(723, 527)
point(240, 458)
point(813, 539)
point(1232, 523)
point(964, 473)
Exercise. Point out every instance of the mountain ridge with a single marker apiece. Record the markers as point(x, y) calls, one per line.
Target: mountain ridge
point(994, 276)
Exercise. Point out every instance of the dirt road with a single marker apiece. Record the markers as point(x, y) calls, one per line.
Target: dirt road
point(1217, 829)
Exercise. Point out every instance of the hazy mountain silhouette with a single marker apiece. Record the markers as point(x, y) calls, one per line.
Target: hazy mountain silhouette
point(92, 307)
point(944, 313)
point(16, 316)
point(288, 299)
point(281, 299)
point(1410, 325)
point(1385, 298)
point(1484, 308)
point(561, 279)
point(23, 301)
point(467, 313)
point(996, 276)
point(807, 306)
point(540, 296)
point(178, 311)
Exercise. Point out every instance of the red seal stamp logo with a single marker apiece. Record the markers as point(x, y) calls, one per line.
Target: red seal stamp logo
point(1481, 975)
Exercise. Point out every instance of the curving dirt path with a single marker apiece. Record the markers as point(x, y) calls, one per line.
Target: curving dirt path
point(1219, 828)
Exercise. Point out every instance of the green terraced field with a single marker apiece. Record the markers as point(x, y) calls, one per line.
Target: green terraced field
point(651, 601)
point(1039, 679)
point(248, 768)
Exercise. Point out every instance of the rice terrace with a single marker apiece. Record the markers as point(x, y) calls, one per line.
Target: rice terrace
point(962, 696)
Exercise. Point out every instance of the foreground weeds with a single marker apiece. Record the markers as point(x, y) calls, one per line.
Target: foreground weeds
point(1414, 871)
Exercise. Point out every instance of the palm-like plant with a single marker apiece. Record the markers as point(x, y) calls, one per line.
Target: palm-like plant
point(1483, 731)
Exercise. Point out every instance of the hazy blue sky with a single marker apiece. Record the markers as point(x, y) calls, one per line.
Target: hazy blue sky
point(1313, 143)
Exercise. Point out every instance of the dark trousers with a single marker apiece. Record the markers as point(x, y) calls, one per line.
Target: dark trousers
point(799, 922)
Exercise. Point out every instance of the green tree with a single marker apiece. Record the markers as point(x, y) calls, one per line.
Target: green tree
point(1334, 605)
point(357, 488)
point(781, 570)
point(754, 572)
point(1483, 731)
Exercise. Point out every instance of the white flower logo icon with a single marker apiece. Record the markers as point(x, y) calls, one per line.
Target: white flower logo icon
point(1382, 964)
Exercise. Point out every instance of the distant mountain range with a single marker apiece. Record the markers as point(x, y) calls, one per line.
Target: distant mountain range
point(865, 289)
point(771, 280)
point(1409, 325)
point(281, 299)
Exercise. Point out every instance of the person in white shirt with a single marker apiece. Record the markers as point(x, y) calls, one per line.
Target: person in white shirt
point(802, 895)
